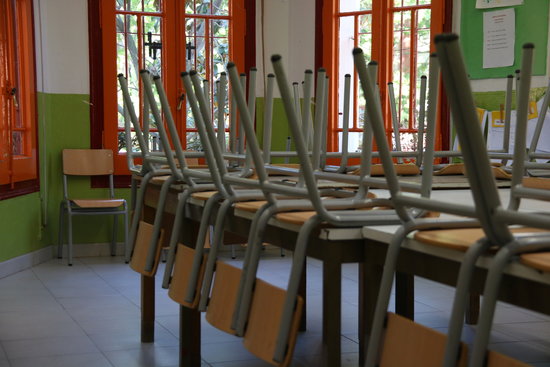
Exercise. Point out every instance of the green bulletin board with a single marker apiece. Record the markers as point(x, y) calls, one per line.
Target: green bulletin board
point(531, 26)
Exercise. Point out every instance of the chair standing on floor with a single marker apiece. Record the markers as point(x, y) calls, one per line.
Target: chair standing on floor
point(89, 162)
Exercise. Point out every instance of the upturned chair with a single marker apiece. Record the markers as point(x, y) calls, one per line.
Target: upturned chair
point(494, 231)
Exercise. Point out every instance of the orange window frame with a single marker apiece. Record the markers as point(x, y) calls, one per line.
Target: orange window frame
point(18, 170)
point(173, 56)
point(382, 14)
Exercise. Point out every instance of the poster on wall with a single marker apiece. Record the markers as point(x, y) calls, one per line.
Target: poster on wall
point(499, 35)
point(486, 4)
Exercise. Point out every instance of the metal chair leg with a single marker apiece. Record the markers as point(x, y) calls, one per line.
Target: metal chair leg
point(61, 234)
point(490, 293)
point(70, 239)
point(461, 300)
point(293, 285)
point(114, 235)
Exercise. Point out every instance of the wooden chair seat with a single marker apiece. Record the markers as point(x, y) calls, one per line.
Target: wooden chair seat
point(221, 304)
point(458, 169)
point(537, 260)
point(402, 169)
point(159, 180)
point(501, 174)
point(250, 206)
point(407, 343)
point(460, 239)
point(295, 217)
point(264, 319)
point(180, 278)
point(450, 169)
point(536, 183)
point(141, 249)
point(98, 203)
point(203, 195)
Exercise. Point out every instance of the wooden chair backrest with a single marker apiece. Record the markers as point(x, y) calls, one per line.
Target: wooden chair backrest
point(180, 277)
point(407, 343)
point(141, 249)
point(264, 319)
point(221, 305)
point(88, 162)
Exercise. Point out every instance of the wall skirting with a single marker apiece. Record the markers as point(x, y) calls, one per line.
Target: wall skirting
point(26, 261)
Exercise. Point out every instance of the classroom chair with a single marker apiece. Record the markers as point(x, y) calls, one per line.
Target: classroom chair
point(89, 162)
point(537, 238)
point(485, 197)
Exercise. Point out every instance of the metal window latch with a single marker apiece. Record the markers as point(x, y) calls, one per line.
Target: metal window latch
point(180, 101)
point(13, 93)
point(153, 46)
point(189, 47)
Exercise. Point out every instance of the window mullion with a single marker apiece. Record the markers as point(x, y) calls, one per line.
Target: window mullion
point(412, 66)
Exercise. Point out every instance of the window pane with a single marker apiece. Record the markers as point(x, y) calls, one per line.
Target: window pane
point(128, 60)
point(355, 141)
point(409, 141)
point(17, 142)
point(401, 65)
point(355, 5)
point(120, 5)
point(220, 46)
point(152, 5)
point(193, 141)
point(220, 7)
point(134, 5)
point(347, 42)
point(152, 44)
point(202, 6)
point(189, 7)
point(190, 121)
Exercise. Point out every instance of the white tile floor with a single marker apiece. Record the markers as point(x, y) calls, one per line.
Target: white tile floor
point(88, 316)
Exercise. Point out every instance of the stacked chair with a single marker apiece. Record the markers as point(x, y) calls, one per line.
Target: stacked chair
point(422, 345)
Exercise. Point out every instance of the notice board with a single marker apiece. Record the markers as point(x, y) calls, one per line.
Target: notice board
point(531, 26)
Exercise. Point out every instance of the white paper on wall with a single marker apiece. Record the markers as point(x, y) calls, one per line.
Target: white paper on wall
point(486, 4)
point(499, 36)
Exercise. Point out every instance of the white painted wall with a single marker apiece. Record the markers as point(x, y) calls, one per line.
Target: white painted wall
point(61, 32)
point(288, 29)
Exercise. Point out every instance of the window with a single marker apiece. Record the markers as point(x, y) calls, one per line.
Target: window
point(18, 163)
point(165, 37)
point(397, 34)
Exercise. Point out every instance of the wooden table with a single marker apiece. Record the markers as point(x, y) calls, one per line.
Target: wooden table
point(326, 245)
point(333, 246)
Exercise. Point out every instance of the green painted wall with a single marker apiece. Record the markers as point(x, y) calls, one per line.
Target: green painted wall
point(27, 225)
point(20, 227)
point(65, 123)
point(280, 130)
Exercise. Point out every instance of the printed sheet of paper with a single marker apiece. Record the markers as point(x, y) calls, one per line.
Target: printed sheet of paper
point(499, 36)
point(486, 4)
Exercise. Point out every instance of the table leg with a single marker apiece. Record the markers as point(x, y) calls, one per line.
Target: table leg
point(332, 312)
point(404, 295)
point(370, 277)
point(190, 337)
point(147, 309)
point(302, 291)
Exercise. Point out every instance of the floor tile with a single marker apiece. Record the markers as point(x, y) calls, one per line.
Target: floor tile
point(88, 316)
point(45, 347)
point(80, 360)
